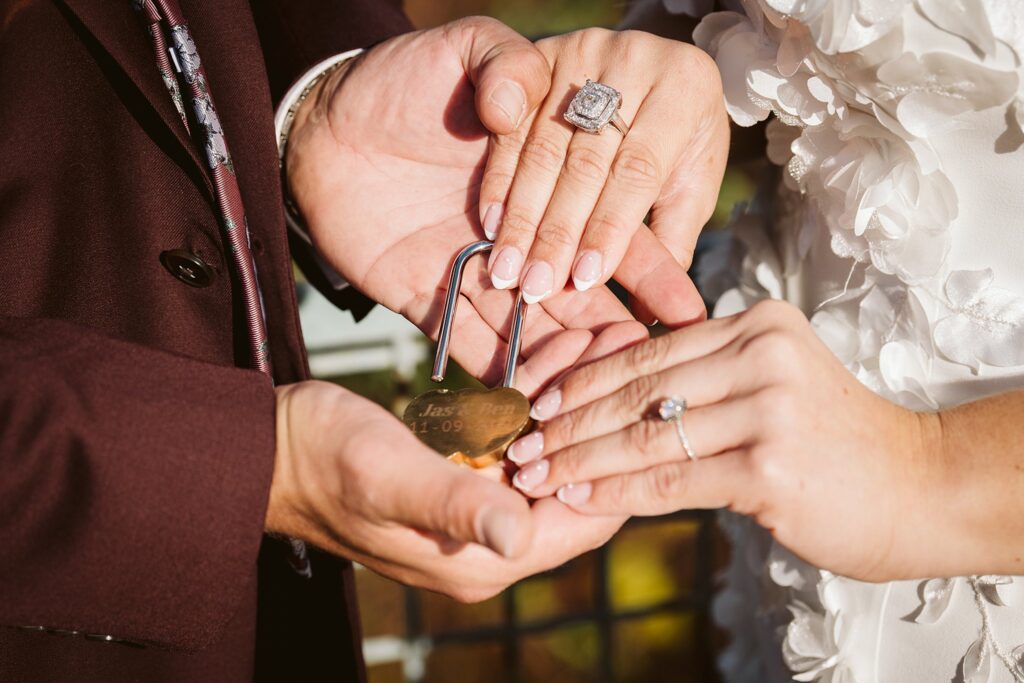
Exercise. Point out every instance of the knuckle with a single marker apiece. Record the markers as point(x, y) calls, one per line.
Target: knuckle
point(651, 356)
point(615, 493)
point(773, 349)
point(593, 38)
point(586, 164)
point(637, 395)
point(635, 167)
point(773, 312)
point(543, 152)
point(664, 481)
point(557, 236)
point(569, 465)
point(497, 182)
point(606, 225)
point(518, 226)
point(571, 427)
point(766, 470)
point(702, 68)
point(643, 436)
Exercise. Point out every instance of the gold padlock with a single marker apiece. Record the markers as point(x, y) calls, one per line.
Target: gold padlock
point(472, 427)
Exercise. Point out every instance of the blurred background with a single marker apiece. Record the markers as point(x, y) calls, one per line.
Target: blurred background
point(637, 610)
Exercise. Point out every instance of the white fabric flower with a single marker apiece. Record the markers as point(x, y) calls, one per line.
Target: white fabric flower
point(926, 93)
point(746, 58)
point(812, 647)
point(985, 325)
point(842, 25)
point(877, 202)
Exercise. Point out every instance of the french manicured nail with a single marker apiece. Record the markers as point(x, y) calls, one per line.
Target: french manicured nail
point(533, 475)
point(538, 282)
point(575, 495)
point(588, 270)
point(528, 448)
point(496, 528)
point(546, 407)
point(511, 100)
point(505, 269)
point(492, 219)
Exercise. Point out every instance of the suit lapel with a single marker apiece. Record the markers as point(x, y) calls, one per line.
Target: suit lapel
point(122, 35)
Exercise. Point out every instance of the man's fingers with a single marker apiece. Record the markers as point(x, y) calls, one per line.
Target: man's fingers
point(511, 76)
point(437, 496)
point(655, 278)
point(710, 483)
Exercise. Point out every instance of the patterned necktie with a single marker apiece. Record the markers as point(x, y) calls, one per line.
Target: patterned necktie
point(180, 66)
point(181, 58)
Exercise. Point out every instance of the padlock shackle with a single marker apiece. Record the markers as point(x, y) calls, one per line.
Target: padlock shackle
point(451, 302)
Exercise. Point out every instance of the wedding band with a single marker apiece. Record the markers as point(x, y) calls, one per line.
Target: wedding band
point(672, 410)
point(596, 106)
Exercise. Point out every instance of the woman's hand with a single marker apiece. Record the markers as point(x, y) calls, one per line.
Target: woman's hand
point(567, 203)
point(387, 156)
point(782, 431)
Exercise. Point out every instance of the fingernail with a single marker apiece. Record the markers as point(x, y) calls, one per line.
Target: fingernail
point(546, 407)
point(587, 271)
point(528, 448)
point(506, 267)
point(511, 100)
point(492, 219)
point(496, 528)
point(538, 282)
point(575, 495)
point(531, 476)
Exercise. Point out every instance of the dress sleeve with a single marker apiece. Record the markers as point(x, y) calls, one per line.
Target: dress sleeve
point(133, 485)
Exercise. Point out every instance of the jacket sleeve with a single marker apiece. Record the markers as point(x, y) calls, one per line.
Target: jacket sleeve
point(133, 485)
point(297, 34)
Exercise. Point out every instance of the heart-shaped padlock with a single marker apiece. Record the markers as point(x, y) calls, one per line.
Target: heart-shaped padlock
point(470, 426)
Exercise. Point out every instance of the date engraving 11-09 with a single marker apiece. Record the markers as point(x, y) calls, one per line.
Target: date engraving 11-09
point(471, 426)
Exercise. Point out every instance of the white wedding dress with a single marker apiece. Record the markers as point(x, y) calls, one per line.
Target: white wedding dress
point(898, 228)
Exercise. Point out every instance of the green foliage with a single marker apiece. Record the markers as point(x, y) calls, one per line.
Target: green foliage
point(543, 17)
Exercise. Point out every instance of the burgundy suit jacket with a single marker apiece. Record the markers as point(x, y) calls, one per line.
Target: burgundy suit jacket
point(135, 455)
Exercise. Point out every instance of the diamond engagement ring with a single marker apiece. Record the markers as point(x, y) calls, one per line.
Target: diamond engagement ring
point(672, 410)
point(596, 106)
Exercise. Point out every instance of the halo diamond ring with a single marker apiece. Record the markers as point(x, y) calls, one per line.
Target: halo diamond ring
point(672, 410)
point(595, 107)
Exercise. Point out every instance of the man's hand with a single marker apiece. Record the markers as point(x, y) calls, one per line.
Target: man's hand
point(385, 162)
point(352, 479)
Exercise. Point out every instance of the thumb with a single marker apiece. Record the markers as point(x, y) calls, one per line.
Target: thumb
point(659, 283)
point(510, 75)
point(454, 501)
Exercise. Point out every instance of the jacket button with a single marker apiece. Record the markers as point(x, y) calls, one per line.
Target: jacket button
point(188, 267)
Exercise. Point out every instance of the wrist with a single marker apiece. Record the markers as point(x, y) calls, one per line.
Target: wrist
point(281, 518)
point(304, 105)
point(945, 533)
